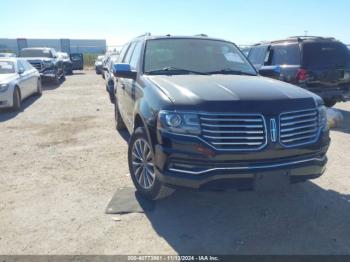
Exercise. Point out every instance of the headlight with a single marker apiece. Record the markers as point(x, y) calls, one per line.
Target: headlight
point(322, 117)
point(4, 87)
point(179, 122)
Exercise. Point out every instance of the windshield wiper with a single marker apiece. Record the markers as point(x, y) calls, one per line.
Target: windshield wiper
point(228, 71)
point(174, 69)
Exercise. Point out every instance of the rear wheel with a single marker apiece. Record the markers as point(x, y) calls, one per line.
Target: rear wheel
point(16, 100)
point(142, 169)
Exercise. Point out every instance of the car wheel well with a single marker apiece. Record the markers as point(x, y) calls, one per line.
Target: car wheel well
point(138, 122)
point(19, 91)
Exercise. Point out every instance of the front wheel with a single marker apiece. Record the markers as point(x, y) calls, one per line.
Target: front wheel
point(119, 123)
point(142, 169)
point(39, 91)
point(56, 80)
point(16, 100)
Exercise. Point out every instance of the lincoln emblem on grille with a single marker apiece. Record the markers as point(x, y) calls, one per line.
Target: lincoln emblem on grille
point(273, 130)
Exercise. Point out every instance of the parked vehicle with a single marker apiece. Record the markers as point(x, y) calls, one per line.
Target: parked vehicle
point(46, 61)
point(106, 60)
point(98, 64)
point(67, 63)
point(200, 117)
point(109, 77)
point(7, 55)
point(320, 65)
point(77, 60)
point(18, 80)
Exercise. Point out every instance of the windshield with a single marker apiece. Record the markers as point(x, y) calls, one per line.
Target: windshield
point(183, 56)
point(7, 67)
point(36, 53)
point(325, 54)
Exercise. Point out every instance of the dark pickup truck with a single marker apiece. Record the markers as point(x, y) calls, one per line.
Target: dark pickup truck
point(200, 117)
point(318, 64)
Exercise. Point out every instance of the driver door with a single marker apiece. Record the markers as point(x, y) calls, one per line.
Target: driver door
point(122, 84)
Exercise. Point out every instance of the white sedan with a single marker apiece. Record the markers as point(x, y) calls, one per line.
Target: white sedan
point(18, 80)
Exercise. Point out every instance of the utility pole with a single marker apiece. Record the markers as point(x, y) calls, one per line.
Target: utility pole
point(306, 32)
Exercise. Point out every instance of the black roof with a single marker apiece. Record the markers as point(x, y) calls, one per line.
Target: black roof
point(147, 36)
point(298, 39)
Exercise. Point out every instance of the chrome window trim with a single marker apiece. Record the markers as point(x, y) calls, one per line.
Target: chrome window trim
point(247, 167)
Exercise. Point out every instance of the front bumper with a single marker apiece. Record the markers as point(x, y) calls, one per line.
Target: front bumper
point(190, 163)
point(50, 72)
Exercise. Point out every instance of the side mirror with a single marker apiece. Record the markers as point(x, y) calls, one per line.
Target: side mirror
point(124, 71)
point(270, 71)
point(20, 70)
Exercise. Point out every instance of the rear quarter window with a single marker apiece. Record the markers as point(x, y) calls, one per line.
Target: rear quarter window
point(285, 54)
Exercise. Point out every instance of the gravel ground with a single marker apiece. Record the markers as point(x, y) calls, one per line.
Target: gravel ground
point(62, 161)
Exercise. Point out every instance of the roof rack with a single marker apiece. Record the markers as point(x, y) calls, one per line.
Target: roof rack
point(201, 35)
point(302, 38)
point(145, 34)
point(310, 37)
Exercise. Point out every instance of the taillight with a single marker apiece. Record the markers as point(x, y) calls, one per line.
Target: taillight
point(302, 75)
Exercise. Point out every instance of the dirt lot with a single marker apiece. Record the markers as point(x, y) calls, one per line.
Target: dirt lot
point(62, 161)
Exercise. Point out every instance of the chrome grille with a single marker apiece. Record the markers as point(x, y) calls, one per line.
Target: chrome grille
point(299, 127)
point(234, 131)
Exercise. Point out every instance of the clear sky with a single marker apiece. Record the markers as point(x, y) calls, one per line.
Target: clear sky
point(243, 22)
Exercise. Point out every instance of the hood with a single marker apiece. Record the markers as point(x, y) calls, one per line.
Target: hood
point(6, 78)
point(234, 91)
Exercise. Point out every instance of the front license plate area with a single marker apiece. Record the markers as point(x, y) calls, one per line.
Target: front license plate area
point(271, 181)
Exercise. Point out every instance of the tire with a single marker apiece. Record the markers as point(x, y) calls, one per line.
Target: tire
point(63, 76)
point(119, 122)
point(56, 80)
point(39, 91)
point(141, 167)
point(330, 102)
point(111, 96)
point(16, 100)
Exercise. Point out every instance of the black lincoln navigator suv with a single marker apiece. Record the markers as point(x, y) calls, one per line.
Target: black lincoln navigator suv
point(201, 117)
point(318, 64)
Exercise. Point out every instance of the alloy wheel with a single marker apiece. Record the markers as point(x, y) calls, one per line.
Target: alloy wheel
point(142, 163)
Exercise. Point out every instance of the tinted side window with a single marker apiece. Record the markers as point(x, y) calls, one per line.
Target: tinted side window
point(129, 53)
point(136, 55)
point(122, 52)
point(285, 54)
point(257, 55)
